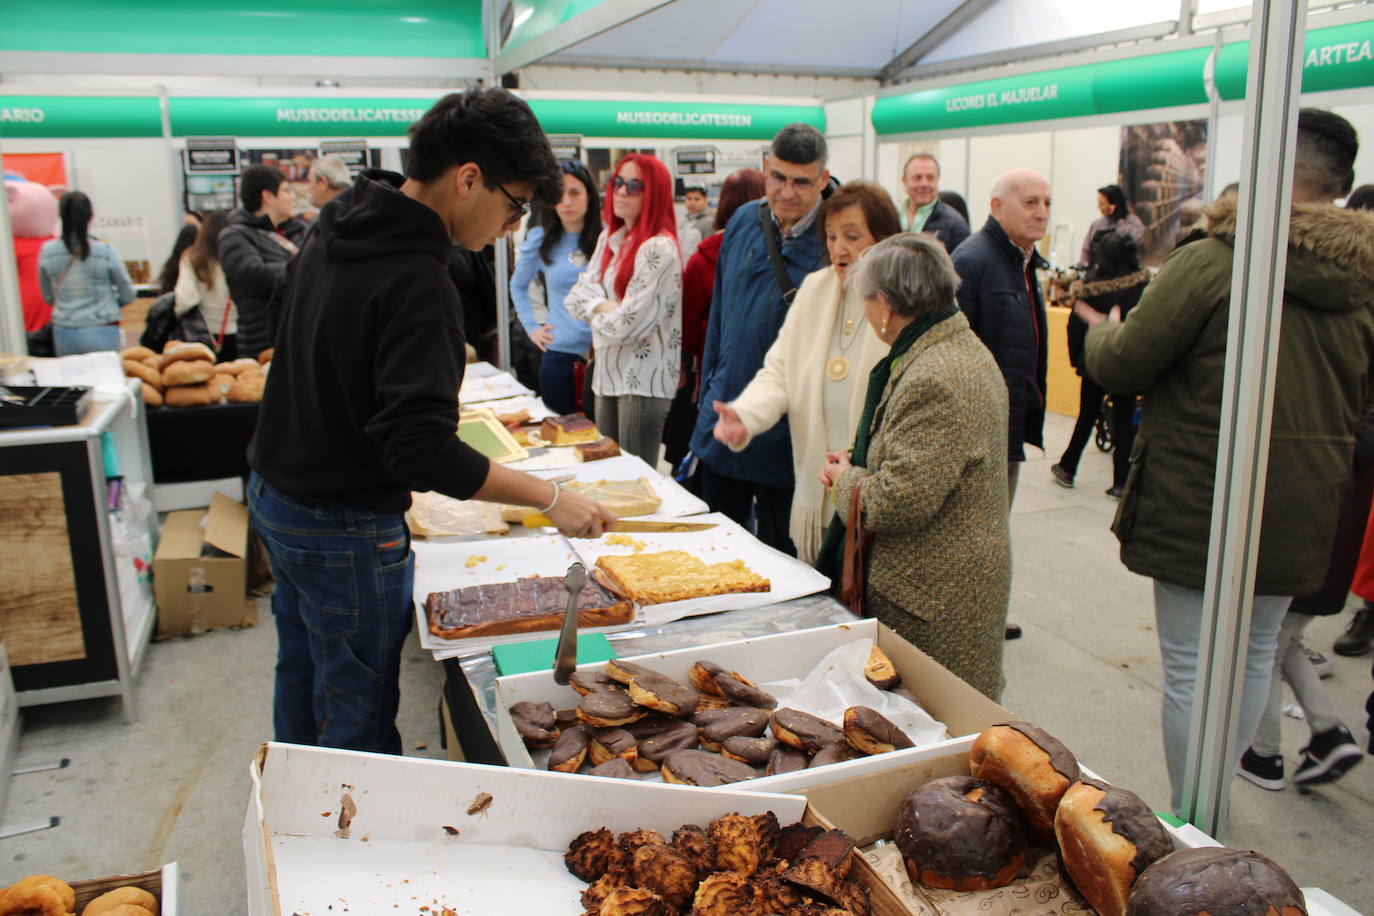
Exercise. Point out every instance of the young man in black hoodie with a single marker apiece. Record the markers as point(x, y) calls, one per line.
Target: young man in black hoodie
point(361, 408)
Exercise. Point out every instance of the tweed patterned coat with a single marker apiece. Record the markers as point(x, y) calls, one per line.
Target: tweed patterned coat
point(939, 573)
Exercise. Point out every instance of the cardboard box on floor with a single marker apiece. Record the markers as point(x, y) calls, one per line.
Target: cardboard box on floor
point(162, 884)
point(200, 574)
point(963, 710)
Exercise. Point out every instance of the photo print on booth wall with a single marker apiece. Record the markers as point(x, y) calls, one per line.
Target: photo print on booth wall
point(1163, 171)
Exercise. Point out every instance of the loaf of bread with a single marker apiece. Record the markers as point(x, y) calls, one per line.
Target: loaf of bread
point(1030, 764)
point(135, 369)
point(961, 833)
point(265, 356)
point(1107, 838)
point(222, 382)
point(247, 388)
point(202, 395)
point(136, 353)
point(1215, 881)
point(188, 372)
point(151, 396)
point(237, 366)
point(188, 351)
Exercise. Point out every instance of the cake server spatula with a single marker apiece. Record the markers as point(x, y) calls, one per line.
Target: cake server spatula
point(565, 658)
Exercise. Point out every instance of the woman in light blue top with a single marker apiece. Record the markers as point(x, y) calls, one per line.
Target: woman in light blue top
point(85, 282)
point(556, 251)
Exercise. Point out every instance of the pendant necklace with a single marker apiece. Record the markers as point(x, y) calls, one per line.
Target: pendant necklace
point(838, 367)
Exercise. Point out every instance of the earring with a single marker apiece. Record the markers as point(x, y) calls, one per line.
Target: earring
point(883, 329)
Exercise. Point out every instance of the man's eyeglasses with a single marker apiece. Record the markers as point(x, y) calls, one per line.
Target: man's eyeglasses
point(778, 180)
point(633, 186)
point(518, 207)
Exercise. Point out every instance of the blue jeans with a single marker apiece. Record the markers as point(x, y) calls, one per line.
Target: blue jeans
point(1178, 619)
point(343, 610)
point(71, 341)
point(556, 381)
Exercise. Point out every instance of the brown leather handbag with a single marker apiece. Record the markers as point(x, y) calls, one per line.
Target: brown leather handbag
point(857, 543)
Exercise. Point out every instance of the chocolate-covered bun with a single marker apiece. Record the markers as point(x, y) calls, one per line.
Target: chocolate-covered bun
point(1107, 837)
point(703, 677)
point(728, 723)
point(1216, 881)
point(961, 833)
point(834, 753)
point(879, 670)
point(753, 751)
point(591, 680)
point(570, 749)
point(654, 690)
point(655, 748)
point(611, 743)
point(565, 717)
point(804, 731)
point(1030, 764)
point(615, 768)
point(870, 732)
point(536, 723)
point(702, 768)
point(607, 708)
point(742, 691)
point(786, 759)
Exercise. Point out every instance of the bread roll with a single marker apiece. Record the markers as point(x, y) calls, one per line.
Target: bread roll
point(171, 345)
point(962, 834)
point(190, 351)
point(183, 372)
point(202, 395)
point(1030, 764)
point(1215, 881)
point(222, 383)
point(265, 356)
point(1107, 838)
point(237, 366)
point(135, 369)
point(247, 388)
point(137, 353)
point(153, 362)
point(151, 396)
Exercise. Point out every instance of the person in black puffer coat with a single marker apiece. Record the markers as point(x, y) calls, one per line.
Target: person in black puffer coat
point(1114, 280)
point(262, 236)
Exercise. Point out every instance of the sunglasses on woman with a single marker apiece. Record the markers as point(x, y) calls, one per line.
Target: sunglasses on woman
point(633, 187)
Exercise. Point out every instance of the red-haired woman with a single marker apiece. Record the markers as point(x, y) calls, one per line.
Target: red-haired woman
point(631, 296)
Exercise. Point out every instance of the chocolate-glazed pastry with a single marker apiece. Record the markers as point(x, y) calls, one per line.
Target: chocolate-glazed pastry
point(1215, 880)
point(822, 866)
point(615, 768)
point(611, 743)
point(786, 759)
point(869, 731)
point(753, 751)
point(879, 670)
point(737, 720)
point(608, 708)
point(833, 753)
point(565, 717)
point(590, 680)
point(1030, 764)
point(804, 731)
point(961, 834)
point(653, 750)
point(702, 768)
point(703, 677)
point(570, 749)
point(656, 691)
point(741, 691)
point(521, 606)
point(536, 723)
point(1107, 837)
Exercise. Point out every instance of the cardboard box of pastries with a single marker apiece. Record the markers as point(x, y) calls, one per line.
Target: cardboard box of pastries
point(364, 833)
point(779, 657)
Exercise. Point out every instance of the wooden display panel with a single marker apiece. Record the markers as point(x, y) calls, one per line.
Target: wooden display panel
point(38, 601)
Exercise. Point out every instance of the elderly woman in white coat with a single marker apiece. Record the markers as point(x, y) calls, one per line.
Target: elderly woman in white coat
point(816, 372)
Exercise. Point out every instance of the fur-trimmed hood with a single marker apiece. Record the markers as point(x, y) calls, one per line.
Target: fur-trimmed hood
point(1330, 253)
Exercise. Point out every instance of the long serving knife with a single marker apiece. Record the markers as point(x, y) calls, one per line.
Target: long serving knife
point(565, 658)
point(538, 520)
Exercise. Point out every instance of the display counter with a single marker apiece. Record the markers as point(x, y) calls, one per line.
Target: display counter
point(200, 443)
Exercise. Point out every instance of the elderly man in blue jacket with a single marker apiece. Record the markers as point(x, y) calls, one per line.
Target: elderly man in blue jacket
point(753, 291)
point(1000, 296)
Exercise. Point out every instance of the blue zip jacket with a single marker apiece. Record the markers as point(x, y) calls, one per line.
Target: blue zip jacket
point(746, 314)
point(570, 335)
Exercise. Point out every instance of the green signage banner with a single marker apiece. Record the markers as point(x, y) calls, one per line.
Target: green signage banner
point(236, 116)
point(676, 120)
point(44, 116)
point(1157, 81)
point(329, 28)
point(1341, 57)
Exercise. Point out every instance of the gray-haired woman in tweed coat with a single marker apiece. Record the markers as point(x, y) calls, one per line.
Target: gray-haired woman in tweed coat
point(931, 452)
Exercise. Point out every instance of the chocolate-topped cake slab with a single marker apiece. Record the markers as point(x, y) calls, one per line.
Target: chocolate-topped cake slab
point(522, 606)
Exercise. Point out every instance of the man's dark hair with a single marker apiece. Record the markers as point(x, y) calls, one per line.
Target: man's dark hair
point(255, 181)
point(1327, 145)
point(489, 127)
point(800, 144)
point(1362, 198)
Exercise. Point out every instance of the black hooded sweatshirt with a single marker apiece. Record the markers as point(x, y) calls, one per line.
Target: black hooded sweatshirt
point(361, 405)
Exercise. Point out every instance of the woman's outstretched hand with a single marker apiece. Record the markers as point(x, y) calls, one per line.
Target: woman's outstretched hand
point(730, 429)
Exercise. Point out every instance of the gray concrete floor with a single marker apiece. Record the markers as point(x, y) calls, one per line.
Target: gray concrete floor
point(173, 786)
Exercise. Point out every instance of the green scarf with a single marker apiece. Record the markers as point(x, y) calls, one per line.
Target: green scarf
point(830, 559)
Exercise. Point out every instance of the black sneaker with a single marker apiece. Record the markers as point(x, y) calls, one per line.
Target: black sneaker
point(1358, 635)
point(1061, 476)
point(1265, 772)
point(1114, 492)
point(1328, 756)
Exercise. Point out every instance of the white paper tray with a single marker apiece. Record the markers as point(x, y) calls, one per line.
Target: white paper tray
point(788, 577)
point(397, 856)
point(442, 565)
point(677, 501)
point(490, 388)
point(482, 369)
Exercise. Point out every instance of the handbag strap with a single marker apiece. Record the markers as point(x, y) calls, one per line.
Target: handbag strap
point(856, 540)
point(770, 241)
point(224, 324)
point(62, 277)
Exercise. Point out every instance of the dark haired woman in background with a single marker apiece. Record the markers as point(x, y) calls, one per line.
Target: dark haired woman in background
point(85, 282)
point(698, 282)
point(1116, 215)
point(201, 283)
point(956, 200)
point(171, 268)
point(556, 251)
